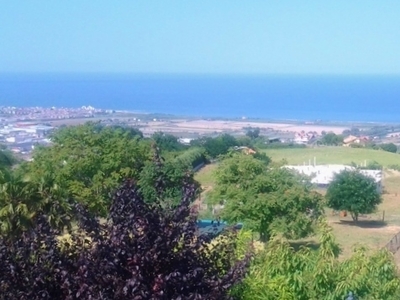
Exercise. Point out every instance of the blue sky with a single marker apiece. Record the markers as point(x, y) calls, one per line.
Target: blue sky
point(167, 36)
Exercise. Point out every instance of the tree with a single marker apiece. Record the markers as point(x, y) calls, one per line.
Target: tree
point(21, 198)
point(91, 160)
point(167, 142)
point(266, 199)
point(143, 251)
point(172, 172)
point(7, 159)
point(390, 147)
point(355, 192)
point(253, 133)
point(332, 139)
point(281, 272)
point(216, 146)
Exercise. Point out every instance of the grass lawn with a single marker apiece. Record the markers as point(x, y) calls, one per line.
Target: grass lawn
point(205, 175)
point(370, 230)
point(333, 155)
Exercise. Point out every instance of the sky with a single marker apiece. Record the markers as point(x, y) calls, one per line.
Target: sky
point(224, 36)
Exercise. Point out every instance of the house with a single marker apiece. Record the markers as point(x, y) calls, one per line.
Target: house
point(245, 150)
point(351, 139)
point(304, 137)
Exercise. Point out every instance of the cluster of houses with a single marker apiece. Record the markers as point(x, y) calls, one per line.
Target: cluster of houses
point(305, 137)
point(22, 137)
point(51, 113)
point(313, 137)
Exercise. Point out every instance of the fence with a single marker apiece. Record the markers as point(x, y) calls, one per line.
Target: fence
point(394, 244)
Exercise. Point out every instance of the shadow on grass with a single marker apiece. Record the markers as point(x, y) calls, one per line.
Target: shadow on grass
point(363, 223)
point(308, 244)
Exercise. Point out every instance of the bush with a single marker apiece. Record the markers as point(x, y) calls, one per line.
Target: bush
point(143, 251)
point(390, 147)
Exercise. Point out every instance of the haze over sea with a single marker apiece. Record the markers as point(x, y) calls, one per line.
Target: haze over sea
point(276, 97)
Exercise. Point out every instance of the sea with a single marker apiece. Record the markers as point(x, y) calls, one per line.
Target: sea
point(343, 98)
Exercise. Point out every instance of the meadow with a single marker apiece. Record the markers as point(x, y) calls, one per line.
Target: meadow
point(333, 155)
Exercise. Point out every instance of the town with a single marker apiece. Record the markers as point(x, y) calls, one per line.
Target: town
point(23, 128)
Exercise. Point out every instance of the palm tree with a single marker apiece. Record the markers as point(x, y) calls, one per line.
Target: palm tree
point(16, 204)
point(23, 197)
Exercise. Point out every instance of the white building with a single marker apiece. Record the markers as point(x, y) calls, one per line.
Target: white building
point(322, 175)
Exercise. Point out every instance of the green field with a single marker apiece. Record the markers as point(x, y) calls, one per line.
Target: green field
point(333, 155)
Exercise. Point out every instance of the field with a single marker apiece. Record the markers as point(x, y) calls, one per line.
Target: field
point(371, 231)
point(333, 155)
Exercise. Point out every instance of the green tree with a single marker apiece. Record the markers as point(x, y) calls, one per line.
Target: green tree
point(332, 139)
point(7, 159)
point(266, 199)
point(173, 174)
point(355, 192)
point(253, 133)
point(91, 160)
point(281, 272)
point(167, 142)
point(389, 147)
point(22, 198)
point(216, 146)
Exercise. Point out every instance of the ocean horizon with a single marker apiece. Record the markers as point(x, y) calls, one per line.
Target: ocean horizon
point(345, 98)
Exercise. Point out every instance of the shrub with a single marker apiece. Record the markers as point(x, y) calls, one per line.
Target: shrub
point(143, 251)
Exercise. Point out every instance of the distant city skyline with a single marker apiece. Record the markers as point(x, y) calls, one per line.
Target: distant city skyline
point(207, 37)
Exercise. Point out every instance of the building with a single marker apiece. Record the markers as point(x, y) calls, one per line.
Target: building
point(322, 175)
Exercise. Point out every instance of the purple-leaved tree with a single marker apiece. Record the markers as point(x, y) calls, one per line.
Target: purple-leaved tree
point(142, 251)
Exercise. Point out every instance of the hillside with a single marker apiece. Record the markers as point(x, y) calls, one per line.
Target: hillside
point(333, 155)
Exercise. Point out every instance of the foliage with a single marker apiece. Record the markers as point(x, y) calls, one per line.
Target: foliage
point(192, 157)
point(167, 142)
point(395, 167)
point(389, 147)
point(353, 191)
point(281, 272)
point(90, 160)
point(172, 174)
point(244, 140)
point(262, 156)
point(332, 139)
point(22, 197)
point(371, 165)
point(143, 251)
point(266, 199)
point(282, 145)
point(216, 146)
point(253, 133)
point(352, 131)
point(7, 159)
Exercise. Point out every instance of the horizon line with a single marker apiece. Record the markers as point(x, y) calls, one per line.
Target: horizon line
point(193, 73)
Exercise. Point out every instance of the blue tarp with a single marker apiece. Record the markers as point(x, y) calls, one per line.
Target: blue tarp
point(214, 227)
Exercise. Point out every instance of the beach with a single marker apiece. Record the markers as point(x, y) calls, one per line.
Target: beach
point(219, 126)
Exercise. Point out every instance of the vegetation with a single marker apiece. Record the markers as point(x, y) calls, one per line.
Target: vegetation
point(390, 147)
point(334, 155)
point(148, 246)
point(142, 252)
point(267, 200)
point(332, 139)
point(192, 158)
point(90, 161)
point(216, 146)
point(167, 142)
point(354, 192)
point(281, 272)
point(7, 160)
